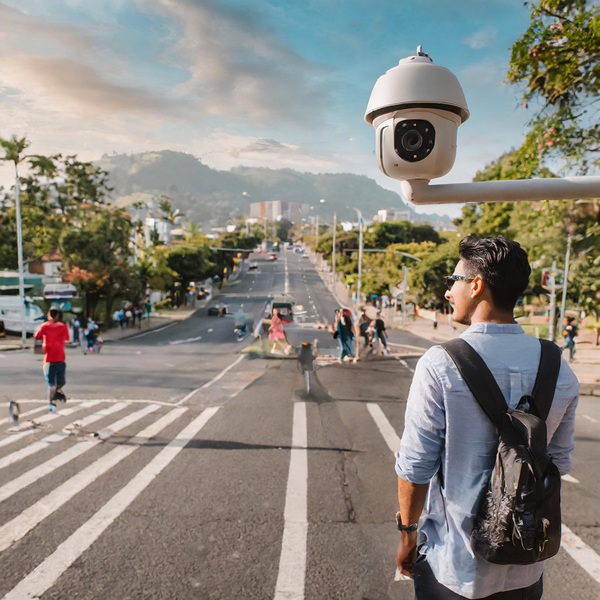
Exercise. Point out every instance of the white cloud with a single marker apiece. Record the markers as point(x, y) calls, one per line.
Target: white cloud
point(484, 38)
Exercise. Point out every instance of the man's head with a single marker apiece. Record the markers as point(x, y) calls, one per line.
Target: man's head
point(491, 268)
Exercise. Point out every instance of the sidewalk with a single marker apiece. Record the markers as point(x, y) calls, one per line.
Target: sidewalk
point(113, 334)
point(587, 358)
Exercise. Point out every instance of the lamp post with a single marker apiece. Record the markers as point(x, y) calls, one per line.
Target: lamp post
point(360, 255)
point(20, 254)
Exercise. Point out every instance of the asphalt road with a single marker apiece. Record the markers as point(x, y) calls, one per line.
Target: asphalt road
point(180, 468)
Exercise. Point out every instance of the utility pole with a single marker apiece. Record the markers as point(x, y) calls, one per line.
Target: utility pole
point(316, 232)
point(20, 255)
point(563, 304)
point(552, 302)
point(333, 253)
point(404, 290)
point(360, 253)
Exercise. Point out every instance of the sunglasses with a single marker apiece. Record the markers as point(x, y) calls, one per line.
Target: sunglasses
point(452, 278)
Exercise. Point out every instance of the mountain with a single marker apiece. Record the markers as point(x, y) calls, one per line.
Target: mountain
point(211, 197)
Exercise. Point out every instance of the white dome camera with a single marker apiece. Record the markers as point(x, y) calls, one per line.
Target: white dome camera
point(416, 108)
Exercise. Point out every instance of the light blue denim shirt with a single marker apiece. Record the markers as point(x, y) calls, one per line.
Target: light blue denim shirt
point(444, 425)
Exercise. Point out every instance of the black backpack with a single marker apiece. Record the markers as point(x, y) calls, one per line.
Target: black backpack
point(518, 518)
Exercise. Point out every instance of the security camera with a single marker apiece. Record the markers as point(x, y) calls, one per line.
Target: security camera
point(416, 108)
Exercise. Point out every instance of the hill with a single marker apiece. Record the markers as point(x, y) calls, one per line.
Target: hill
point(211, 197)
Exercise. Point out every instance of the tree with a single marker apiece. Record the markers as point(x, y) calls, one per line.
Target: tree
point(557, 59)
point(96, 256)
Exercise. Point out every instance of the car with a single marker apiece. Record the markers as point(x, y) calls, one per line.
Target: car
point(217, 309)
point(252, 266)
point(272, 256)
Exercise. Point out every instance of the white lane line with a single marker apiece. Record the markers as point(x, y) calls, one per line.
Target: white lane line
point(57, 437)
point(31, 517)
point(186, 341)
point(385, 428)
point(14, 437)
point(139, 335)
point(213, 380)
point(45, 575)
point(12, 487)
point(581, 552)
point(292, 562)
point(589, 418)
point(26, 414)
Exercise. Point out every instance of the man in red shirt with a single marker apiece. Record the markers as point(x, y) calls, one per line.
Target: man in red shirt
point(55, 334)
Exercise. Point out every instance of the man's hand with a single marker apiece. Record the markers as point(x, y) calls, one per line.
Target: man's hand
point(407, 553)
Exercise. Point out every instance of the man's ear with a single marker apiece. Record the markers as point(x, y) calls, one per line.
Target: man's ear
point(477, 286)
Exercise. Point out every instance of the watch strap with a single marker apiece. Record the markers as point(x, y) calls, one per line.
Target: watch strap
point(407, 528)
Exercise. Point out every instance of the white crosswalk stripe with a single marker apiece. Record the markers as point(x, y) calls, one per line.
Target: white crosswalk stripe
point(12, 487)
point(46, 574)
point(57, 437)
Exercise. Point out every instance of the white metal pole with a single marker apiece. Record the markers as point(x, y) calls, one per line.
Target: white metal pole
point(552, 302)
point(418, 191)
point(333, 257)
point(316, 232)
point(360, 254)
point(404, 289)
point(20, 255)
point(563, 304)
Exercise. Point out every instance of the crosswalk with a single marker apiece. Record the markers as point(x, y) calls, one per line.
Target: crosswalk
point(60, 455)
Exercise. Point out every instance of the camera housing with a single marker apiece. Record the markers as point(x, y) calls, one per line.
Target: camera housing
point(416, 109)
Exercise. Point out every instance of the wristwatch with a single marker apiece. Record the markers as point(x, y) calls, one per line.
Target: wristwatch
point(407, 528)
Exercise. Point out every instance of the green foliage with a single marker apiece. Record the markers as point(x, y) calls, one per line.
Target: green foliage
point(381, 235)
point(191, 263)
point(558, 61)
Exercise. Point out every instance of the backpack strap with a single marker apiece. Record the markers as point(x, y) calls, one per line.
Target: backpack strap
point(479, 379)
point(545, 382)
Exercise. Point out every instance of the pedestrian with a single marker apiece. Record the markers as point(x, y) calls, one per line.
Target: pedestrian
point(55, 334)
point(365, 327)
point(346, 334)
point(449, 445)
point(277, 333)
point(76, 326)
point(380, 335)
point(569, 333)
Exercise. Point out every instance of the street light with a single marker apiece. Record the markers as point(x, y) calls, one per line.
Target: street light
point(20, 255)
point(360, 254)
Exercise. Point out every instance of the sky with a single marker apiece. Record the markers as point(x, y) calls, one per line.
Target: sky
point(264, 83)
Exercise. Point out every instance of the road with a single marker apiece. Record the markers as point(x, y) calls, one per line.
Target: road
point(180, 468)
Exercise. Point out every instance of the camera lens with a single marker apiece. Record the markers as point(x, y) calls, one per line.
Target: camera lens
point(414, 139)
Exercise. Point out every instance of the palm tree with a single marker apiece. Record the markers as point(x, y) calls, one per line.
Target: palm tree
point(13, 149)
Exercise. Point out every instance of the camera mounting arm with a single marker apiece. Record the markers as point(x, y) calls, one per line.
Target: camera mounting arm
point(418, 191)
point(416, 108)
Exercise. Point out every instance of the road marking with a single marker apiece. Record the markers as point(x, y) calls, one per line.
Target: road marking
point(139, 335)
point(45, 575)
point(194, 339)
point(589, 418)
point(31, 517)
point(385, 428)
point(29, 477)
point(292, 562)
point(581, 552)
point(26, 414)
point(213, 380)
point(57, 437)
point(44, 419)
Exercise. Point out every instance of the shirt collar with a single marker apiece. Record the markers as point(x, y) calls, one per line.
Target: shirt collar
point(495, 328)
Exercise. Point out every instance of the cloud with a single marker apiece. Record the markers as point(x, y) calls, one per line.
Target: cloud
point(240, 70)
point(484, 38)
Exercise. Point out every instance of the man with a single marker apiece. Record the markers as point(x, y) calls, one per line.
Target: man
point(448, 446)
point(55, 334)
point(569, 335)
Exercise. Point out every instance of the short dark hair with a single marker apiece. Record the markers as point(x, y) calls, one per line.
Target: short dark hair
point(54, 312)
point(502, 264)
